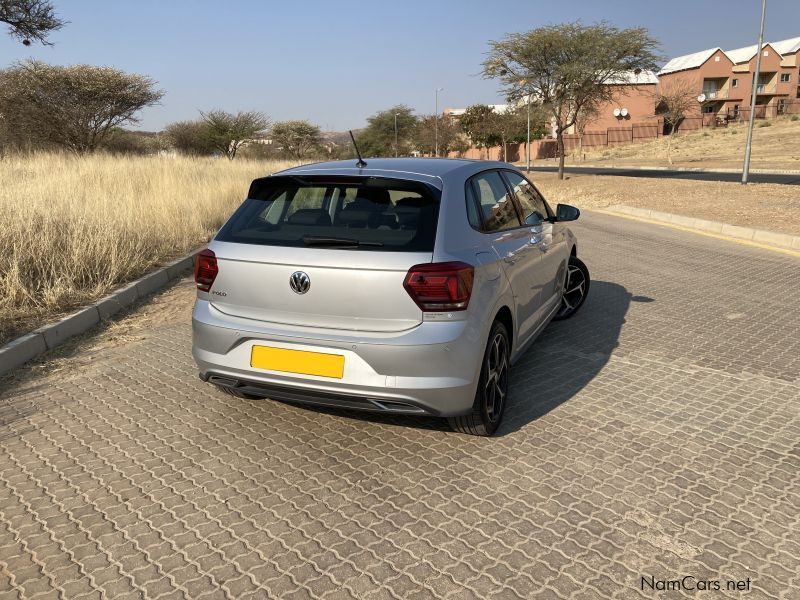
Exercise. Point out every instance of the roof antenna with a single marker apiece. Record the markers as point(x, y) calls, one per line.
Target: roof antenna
point(360, 164)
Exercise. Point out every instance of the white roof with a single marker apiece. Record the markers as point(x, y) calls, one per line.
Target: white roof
point(687, 61)
point(787, 46)
point(633, 78)
point(742, 55)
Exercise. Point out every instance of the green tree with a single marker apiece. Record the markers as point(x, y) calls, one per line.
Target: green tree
point(477, 123)
point(30, 19)
point(378, 137)
point(297, 139)
point(450, 135)
point(566, 67)
point(510, 126)
point(227, 132)
point(189, 137)
point(74, 107)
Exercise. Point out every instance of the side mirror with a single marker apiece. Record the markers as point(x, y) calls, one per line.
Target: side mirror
point(565, 212)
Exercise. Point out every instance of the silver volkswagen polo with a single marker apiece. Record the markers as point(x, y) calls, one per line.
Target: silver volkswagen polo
point(398, 286)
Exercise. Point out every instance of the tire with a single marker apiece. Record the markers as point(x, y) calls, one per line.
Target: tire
point(235, 393)
point(576, 288)
point(492, 392)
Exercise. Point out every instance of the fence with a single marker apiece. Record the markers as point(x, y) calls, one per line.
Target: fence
point(614, 136)
point(741, 114)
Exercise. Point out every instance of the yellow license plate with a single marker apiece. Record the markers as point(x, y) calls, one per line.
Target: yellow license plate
point(297, 361)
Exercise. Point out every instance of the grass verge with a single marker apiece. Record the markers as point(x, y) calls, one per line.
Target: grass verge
point(75, 227)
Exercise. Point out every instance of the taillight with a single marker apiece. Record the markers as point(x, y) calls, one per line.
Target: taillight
point(205, 269)
point(440, 286)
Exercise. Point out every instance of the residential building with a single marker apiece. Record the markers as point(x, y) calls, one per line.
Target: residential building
point(632, 103)
point(723, 80)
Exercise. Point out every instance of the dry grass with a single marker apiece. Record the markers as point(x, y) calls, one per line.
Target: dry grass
point(775, 147)
point(74, 227)
point(772, 207)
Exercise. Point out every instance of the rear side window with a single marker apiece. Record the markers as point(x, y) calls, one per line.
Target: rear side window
point(494, 203)
point(472, 208)
point(359, 213)
point(534, 208)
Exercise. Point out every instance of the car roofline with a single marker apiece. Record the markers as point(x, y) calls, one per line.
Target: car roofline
point(345, 171)
point(411, 168)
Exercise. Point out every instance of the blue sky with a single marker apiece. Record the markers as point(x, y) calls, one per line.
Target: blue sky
point(335, 63)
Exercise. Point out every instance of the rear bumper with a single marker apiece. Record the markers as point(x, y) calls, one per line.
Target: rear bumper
point(315, 397)
point(430, 369)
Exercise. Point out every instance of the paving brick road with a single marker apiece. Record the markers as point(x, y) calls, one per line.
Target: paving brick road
point(655, 435)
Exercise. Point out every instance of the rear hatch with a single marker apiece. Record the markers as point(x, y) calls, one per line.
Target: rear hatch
point(329, 252)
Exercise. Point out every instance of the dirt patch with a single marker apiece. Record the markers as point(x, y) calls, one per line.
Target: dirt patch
point(172, 305)
point(768, 206)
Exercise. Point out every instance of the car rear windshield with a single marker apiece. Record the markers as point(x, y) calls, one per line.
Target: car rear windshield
point(354, 213)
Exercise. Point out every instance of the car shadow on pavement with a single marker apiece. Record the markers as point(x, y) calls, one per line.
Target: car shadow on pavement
point(567, 356)
point(559, 364)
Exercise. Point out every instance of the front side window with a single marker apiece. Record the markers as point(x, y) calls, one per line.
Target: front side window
point(359, 213)
point(494, 202)
point(735, 83)
point(785, 77)
point(534, 208)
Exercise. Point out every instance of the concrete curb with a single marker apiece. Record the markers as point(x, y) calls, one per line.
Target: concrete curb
point(27, 347)
point(768, 238)
point(682, 169)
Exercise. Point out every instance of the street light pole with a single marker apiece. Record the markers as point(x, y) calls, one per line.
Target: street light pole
point(749, 145)
point(528, 145)
point(436, 123)
point(395, 135)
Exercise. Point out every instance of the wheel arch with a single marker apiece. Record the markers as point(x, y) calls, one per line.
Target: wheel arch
point(506, 318)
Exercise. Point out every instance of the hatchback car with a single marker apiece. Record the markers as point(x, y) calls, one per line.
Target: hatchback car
point(400, 286)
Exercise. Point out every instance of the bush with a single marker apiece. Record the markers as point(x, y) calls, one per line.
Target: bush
point(189, 137)
point(139, 143)
point(765, 124)
point(257, 151)
point(795, 118)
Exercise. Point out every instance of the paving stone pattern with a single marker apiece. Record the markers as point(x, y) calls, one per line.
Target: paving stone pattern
point(656, 434)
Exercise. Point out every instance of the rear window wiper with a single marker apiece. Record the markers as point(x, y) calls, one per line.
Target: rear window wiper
point(319, 240)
